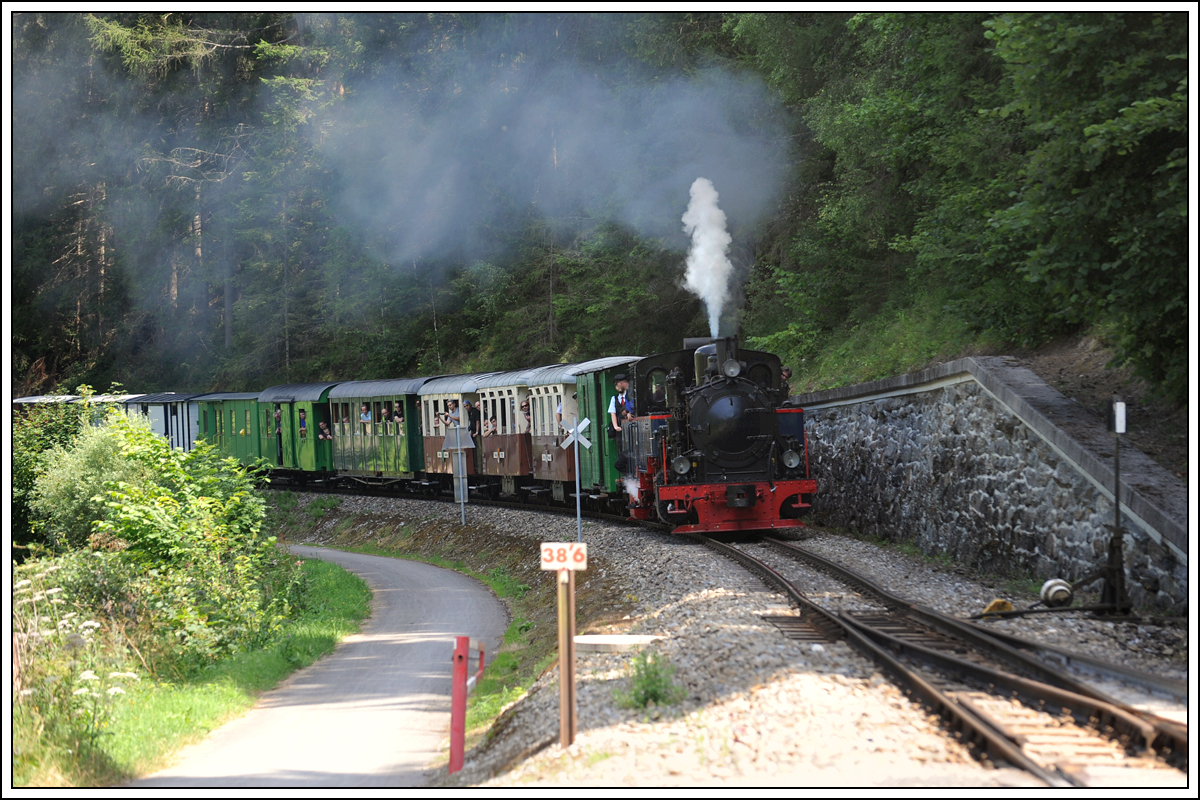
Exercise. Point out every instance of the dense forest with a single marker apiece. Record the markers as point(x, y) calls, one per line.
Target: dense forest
point(231, 200)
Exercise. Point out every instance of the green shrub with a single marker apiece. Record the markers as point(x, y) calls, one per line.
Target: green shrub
point(36, 431)
point(318, 507)
point(69, 491)
point(650, 681)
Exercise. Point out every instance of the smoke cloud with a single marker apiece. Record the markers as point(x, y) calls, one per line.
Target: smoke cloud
point(552, 137)
point(708, 266)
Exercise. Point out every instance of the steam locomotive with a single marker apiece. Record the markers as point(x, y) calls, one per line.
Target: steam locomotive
point(718, 450)
point(709, 445)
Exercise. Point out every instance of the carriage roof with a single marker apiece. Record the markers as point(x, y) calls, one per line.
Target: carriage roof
point(295, 392)
point(378, 388)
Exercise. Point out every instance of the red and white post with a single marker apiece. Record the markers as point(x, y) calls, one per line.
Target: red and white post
point(460, 687)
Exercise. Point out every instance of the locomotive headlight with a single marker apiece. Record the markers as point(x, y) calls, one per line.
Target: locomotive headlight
point(682, 465)
point(732, 368)
point(791, 459)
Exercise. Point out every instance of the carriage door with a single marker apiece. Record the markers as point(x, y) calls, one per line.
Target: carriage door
point(279, 424)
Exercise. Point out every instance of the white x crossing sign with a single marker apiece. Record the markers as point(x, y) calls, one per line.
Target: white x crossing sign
point(578, 433)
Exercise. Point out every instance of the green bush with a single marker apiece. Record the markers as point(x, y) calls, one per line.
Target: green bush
point(36, 431)
point(68, 492)
point(650, 682)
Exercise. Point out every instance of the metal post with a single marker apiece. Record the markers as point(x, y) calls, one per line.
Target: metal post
point(1114, 587)
point(458, 703)
point(571, 649)
point(566, 657)
point(1114, 581)
point(578, 500)
point(462, 470)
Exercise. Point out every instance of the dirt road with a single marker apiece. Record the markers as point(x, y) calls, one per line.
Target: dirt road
point(371, 714)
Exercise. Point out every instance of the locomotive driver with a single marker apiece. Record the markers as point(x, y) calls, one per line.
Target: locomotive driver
point(620, 407)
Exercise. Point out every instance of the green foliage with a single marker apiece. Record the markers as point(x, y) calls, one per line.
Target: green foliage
point(190, 524)
point(504, 584)
point(1030, 168)
point(69, 674)
point(69, 493)
point(86, 710)
point(650, 682)
point(1101, 204)
point(37, 431)
point(319, 507)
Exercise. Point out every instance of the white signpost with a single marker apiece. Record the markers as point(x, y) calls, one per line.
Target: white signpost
point(565, 558)
point(459, 465)
point(577, 429)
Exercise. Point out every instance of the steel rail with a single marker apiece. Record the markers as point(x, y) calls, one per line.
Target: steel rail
point(970, 726)
point(1170, 734)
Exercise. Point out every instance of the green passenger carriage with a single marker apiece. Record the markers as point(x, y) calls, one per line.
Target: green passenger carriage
point(289, 420)
point(230, 421)
point(388, 446)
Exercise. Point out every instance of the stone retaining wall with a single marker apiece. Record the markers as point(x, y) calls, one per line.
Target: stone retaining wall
point(980, 460)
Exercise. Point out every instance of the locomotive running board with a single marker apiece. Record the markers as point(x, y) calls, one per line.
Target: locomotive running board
point(748, 525)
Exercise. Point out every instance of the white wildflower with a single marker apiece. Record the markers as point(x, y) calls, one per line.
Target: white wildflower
point(72, 614)
point(88, 675)
point(26, 692)
point(64, 624)
point(78, 692)
point(89, 624)
point(23, 584)
point(55, 590)
point(116, 690)
point(57, 601)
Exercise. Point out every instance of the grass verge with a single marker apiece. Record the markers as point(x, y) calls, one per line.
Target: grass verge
point(152, 719)
point(508, 564)
point(895, 341)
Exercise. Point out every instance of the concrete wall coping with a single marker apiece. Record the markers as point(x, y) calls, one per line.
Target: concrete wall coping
point(1151, 494)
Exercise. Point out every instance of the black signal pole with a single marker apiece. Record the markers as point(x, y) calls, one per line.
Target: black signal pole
point(1114, 593)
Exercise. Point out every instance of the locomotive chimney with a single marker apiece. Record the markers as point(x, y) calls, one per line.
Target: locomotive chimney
point(727, 357)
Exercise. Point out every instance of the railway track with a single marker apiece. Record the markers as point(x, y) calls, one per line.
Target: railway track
point(1005, 703)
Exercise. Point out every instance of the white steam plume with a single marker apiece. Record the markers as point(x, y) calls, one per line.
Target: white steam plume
point(631, 488)
point(708, 265)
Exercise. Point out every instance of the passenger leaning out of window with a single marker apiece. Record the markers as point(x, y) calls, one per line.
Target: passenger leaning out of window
point(450, 416)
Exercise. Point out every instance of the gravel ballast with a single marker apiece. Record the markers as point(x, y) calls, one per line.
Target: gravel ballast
point(758, 709)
